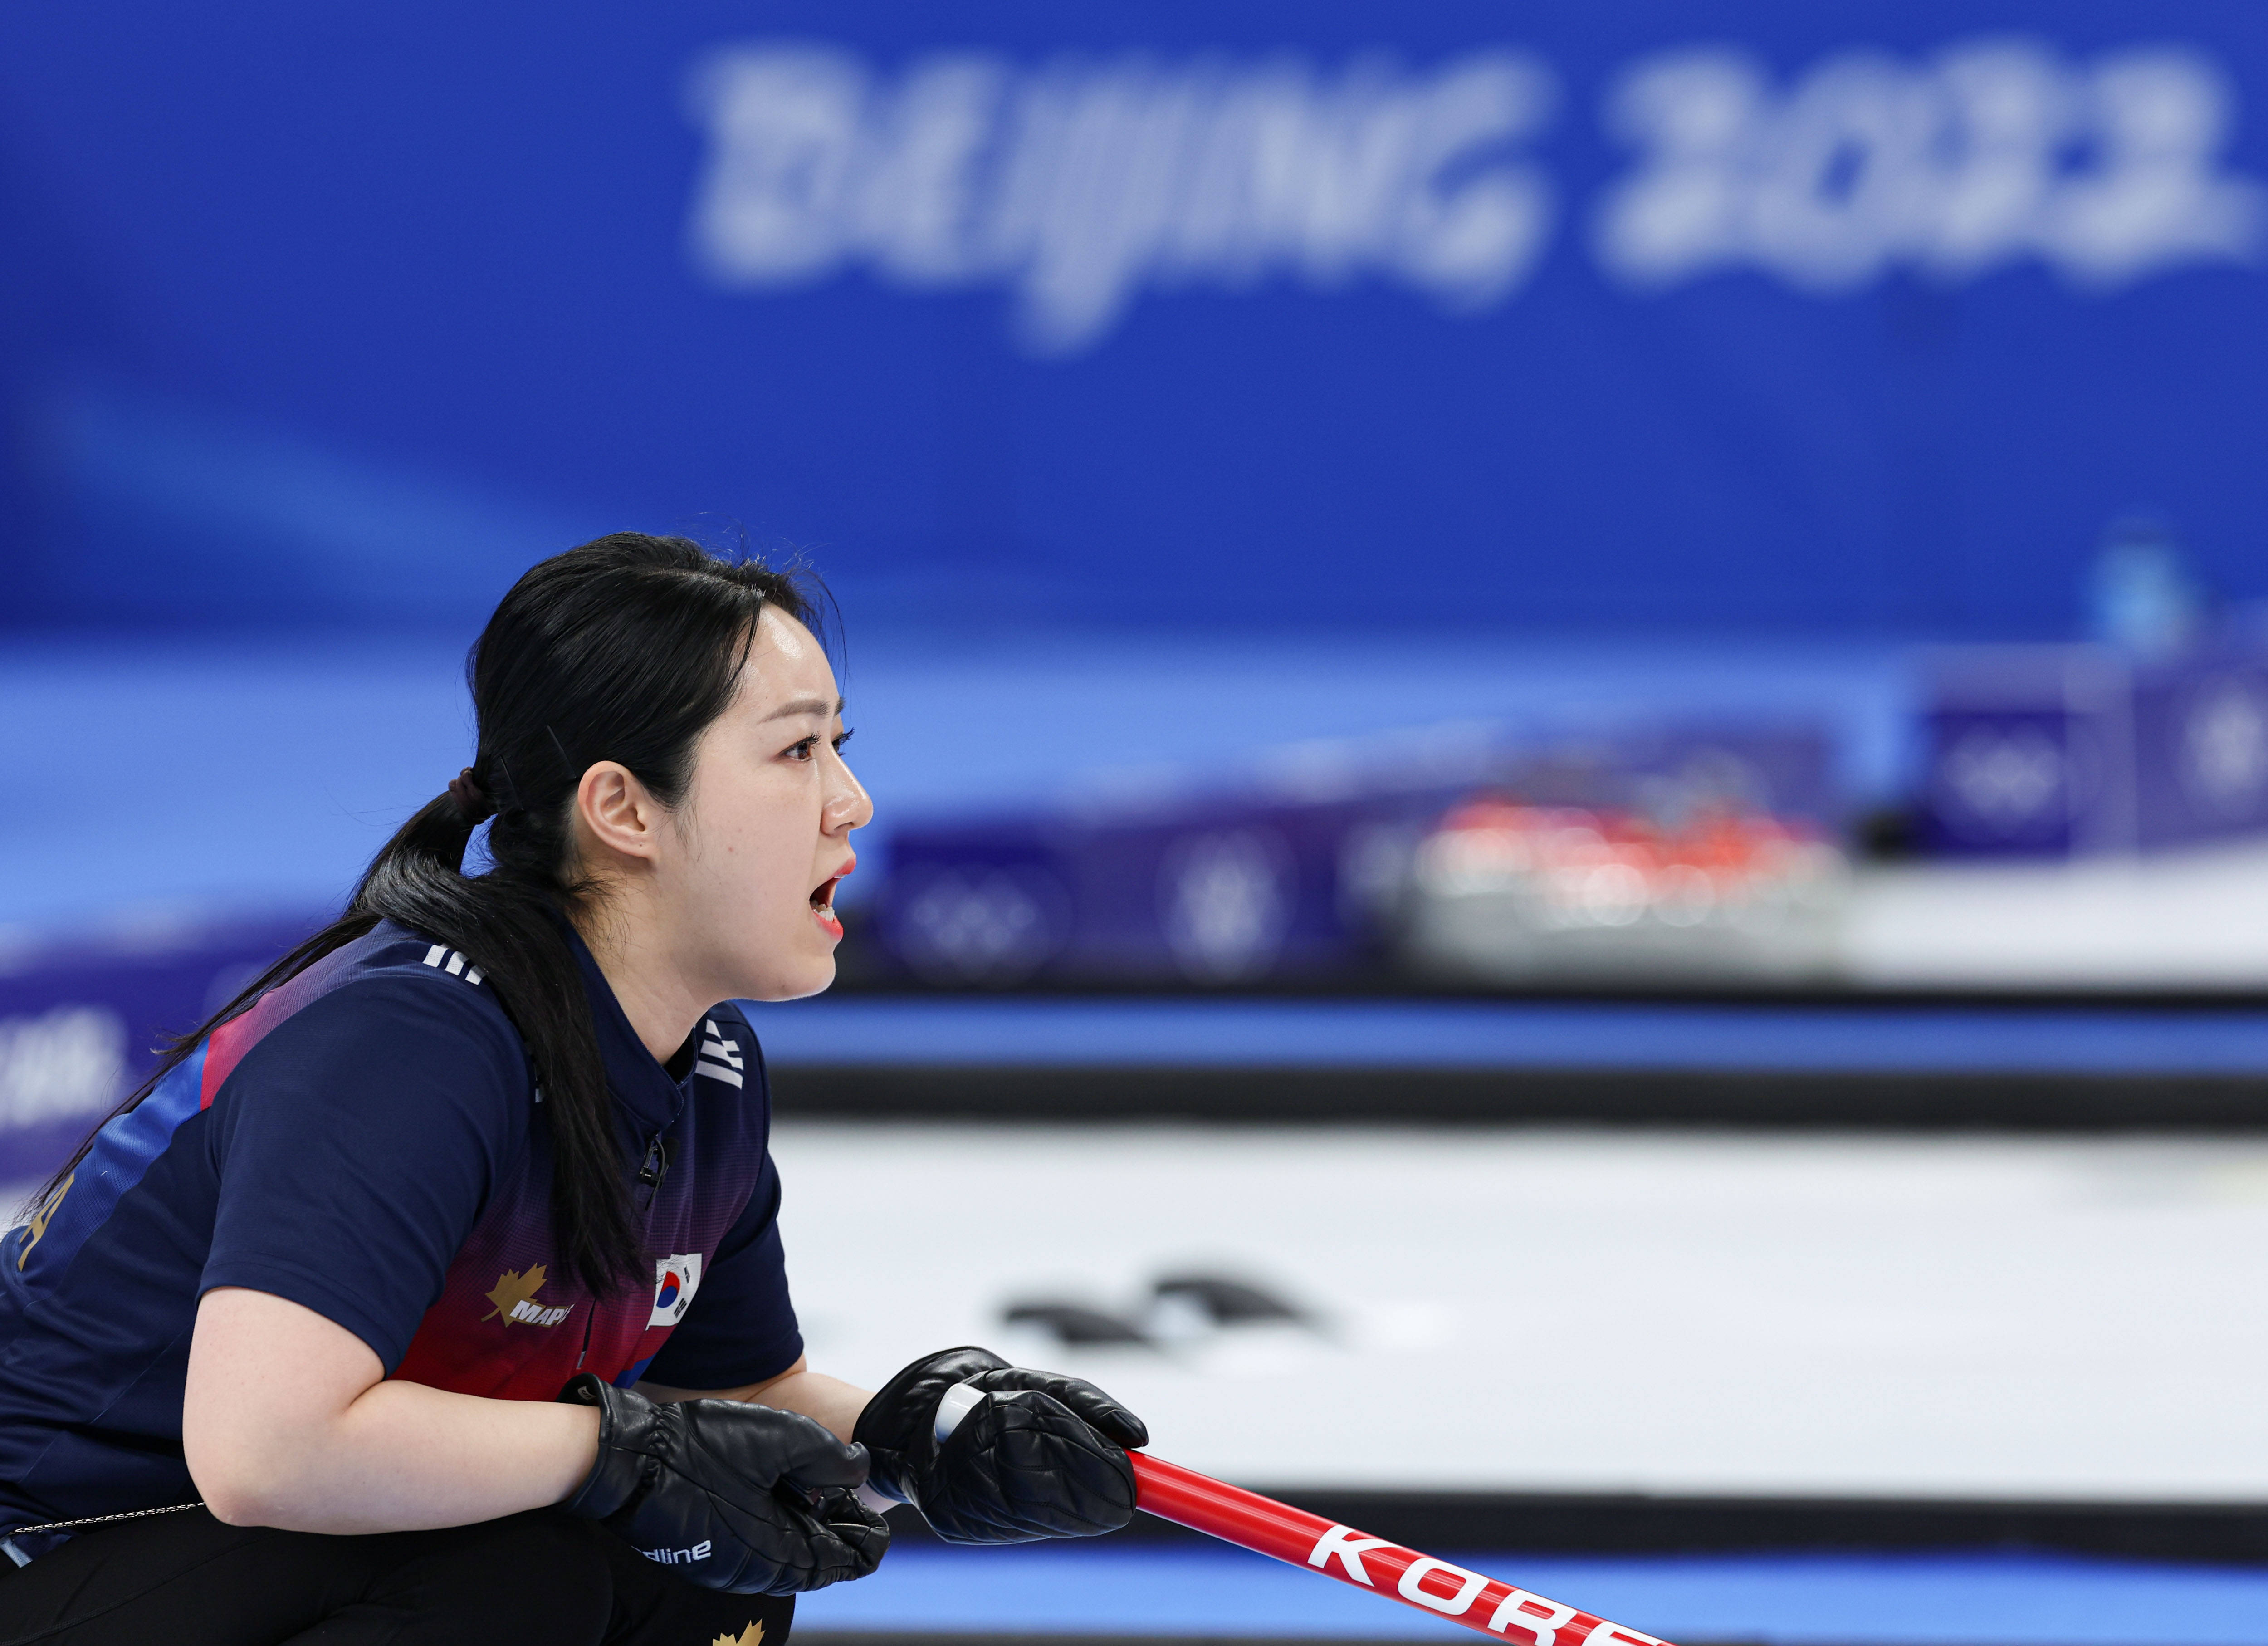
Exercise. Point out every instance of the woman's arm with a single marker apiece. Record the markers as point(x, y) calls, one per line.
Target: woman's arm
point(830, 1400)
point(288, 1420)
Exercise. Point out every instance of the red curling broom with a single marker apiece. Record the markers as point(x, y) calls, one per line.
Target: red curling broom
point(1386, 1569)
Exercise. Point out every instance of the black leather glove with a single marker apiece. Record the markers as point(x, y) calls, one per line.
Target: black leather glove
point(1042, 1455)
point(731, 1496)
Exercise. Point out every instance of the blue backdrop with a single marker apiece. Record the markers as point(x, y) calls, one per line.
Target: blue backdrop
point(1850, 317)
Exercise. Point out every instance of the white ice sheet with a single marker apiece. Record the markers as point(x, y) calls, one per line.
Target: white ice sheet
point(1540, 1311)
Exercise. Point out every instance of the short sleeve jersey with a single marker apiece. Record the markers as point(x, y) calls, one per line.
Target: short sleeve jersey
point(367, 1140)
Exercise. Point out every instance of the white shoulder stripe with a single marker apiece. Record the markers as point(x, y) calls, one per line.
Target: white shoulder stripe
point(717, 1072)
point(449, 960)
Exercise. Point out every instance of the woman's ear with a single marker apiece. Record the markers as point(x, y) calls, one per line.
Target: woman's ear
point(615, 812)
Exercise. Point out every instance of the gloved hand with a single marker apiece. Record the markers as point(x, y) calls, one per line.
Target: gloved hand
point(731, 1496)
point(1042, 1455)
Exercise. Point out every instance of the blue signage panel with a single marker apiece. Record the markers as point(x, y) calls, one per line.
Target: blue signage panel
point(1852, 317)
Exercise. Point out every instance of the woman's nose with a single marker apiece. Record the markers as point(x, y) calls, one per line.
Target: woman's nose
point(848, 805)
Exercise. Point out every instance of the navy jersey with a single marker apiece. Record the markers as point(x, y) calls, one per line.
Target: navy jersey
point(367, 1140)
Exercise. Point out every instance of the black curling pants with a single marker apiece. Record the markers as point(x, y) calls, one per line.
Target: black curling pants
point(539, 1579)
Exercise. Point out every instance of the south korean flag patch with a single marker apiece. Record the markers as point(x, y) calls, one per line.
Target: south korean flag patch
point(675, 1279)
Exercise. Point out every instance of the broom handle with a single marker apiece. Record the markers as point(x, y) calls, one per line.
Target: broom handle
point(1309, 1541)
point(1298, 1539)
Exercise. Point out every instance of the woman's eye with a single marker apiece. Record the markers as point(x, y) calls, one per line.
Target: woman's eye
point(843, 737)
point(807, 748)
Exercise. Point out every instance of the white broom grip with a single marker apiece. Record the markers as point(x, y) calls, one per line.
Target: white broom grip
point(956, 1404)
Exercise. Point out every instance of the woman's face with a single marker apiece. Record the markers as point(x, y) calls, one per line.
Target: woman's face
point(762, 834)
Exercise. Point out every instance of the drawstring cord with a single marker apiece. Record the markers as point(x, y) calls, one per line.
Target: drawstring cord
point(8, 1543)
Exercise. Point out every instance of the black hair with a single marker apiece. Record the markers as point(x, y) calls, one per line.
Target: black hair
point(624, 649)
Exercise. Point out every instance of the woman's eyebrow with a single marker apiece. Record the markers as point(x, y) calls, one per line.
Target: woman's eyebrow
point(805, 705)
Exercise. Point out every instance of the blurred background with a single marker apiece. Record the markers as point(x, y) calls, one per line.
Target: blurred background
point(1568, 704)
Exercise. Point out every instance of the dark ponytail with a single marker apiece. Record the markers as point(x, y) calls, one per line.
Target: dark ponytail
point(624, 649)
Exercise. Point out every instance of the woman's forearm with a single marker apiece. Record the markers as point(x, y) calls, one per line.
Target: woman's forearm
point(289, 1421)
point(828, 1400)
point(404, 1456)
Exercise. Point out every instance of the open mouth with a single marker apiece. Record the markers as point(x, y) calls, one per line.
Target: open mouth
point(822, 900)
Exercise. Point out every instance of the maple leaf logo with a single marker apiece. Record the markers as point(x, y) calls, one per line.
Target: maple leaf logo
point(752, 1635)
point(514, 1287)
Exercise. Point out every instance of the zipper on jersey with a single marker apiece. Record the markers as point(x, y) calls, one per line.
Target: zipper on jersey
point(590, 1318)
point(655, 1166)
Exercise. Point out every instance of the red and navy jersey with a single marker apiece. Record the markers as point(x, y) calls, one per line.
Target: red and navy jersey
point(367, 1140)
